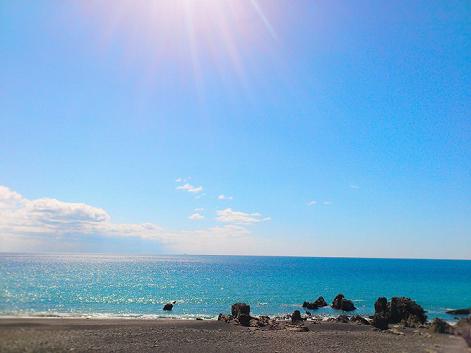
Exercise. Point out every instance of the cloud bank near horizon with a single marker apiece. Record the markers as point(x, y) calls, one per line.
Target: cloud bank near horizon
point(27, 223)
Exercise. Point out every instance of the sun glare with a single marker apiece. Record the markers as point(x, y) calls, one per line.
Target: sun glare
point(194, 32)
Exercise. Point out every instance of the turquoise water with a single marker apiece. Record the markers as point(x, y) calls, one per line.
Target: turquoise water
point(96, 285)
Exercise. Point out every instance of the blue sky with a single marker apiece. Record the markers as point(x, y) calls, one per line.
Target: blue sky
point(333, 128)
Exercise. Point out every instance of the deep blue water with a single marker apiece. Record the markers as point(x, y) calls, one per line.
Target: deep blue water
point(207, 285)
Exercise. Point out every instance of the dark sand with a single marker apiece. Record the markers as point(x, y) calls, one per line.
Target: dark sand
point(113, 335)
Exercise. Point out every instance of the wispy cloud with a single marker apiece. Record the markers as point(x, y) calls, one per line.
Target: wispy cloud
point(223, 197)
point(183, 180)
point(354, 186)
point(196, 216)
point(230, 216)
point(327, 203)
point(190, 188)
point(311, 203)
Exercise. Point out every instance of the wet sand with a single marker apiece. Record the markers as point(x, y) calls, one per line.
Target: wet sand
point(120, 335)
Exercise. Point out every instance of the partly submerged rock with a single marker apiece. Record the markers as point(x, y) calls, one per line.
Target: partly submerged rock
point(168, 307)
point(340, 303)
point(318, 303)
point(459, 311)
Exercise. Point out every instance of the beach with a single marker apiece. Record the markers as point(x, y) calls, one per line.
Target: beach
point(164, 335)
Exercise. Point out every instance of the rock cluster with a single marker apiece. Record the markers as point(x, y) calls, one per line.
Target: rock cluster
point(340, 303)
point(240, 314)
point(399, 310)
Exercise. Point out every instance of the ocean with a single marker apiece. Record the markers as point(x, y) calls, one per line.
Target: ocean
point(204, 286)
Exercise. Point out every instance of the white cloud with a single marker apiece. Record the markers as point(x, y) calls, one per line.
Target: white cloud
point(327, 203)
point(354, 186)
point(229, 216)
point(199, 209)
point(311, 203)
point(190, 188)
point(196, 216)
point(224, 197)
point(46, 223)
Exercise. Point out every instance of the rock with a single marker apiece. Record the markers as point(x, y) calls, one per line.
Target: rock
point(296, 316)
point(399, 310)
point(459, 311)
point(441, 326)
point(337, 303)
point(407, 311)
point(343, 318)
point(360, 319)
point(244, 319)
point(380, 321)
point(264, 321)
point(224, 318)
point(463, 328)
point(347, 305)
point(309, 305)
point(340, 303)
point(464, 322)
point(239, 309)
point(381, 306)
point(168, 307)
point(320, 302)
point(199, 318)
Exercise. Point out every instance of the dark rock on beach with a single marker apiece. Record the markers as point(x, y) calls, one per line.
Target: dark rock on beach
point(381, 317)
point(239, 309)
point(224, 318)
point(381, 306)
point(168, 307)
point(359, 319)
point(463, 328)
point(441, 326)
point(399, 310)
point(381, 321)
point(407, 311)
point(244, 319)
point(340, 303)
point(343, 318)
point(296, 317)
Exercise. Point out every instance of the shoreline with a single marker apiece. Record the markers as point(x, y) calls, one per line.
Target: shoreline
point(176, 335)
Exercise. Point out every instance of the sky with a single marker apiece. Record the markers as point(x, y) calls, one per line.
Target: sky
point(248, 127)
